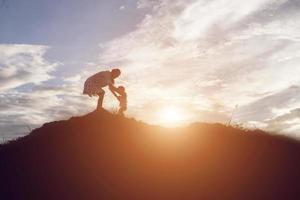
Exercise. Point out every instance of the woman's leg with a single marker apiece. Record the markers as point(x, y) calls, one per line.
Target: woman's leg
point(100, 100)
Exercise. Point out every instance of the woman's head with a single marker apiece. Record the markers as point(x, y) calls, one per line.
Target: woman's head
point(115, 73)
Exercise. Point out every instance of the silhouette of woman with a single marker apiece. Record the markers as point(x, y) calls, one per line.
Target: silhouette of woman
point(94, 84)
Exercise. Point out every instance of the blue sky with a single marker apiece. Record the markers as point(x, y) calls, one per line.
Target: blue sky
point(72, 28)
point(203, 60)
point(49, 22)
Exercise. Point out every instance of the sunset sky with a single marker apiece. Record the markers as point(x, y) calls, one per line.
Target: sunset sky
point(193, 60)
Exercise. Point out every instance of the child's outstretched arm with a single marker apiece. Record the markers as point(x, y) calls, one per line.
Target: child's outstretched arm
point(113, 91)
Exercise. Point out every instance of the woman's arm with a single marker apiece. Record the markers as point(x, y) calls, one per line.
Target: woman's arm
point(114, 93)
point(112, 88)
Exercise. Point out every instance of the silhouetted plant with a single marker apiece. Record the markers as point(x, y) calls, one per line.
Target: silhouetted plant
point(232, 115)
point(114, 110)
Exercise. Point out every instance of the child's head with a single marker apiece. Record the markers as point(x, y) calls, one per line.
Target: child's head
point(121, 90)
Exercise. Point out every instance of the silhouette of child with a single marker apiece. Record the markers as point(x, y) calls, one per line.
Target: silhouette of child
point(122, 97)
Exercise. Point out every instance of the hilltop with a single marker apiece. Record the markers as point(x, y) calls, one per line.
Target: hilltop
point(105, 156)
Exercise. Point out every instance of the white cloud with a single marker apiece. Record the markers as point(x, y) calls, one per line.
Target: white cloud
point(287, 123)
point(274, 110)
point(198, 18)
point(220, 53)
point(122, 7)
point(22, 64)
point(147, 3)
point(22, 109)
point(74, 78)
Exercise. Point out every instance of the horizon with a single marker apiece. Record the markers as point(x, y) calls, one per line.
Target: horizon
point(182, 61)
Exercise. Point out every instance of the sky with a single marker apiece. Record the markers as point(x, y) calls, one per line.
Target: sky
point(203, 60)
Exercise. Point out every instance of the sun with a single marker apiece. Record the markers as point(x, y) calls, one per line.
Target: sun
point(171, 116)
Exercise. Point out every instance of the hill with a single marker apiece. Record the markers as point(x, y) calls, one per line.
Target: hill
point(104, 156)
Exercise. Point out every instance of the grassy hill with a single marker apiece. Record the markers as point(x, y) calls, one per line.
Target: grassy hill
point(104, 156)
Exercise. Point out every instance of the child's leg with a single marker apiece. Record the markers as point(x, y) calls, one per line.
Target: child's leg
point(121, 112)
point(100, 99)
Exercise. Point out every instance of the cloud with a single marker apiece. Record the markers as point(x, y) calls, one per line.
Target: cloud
point(278, 112)
point(20, 110)
point(200, 17)
point(23, 64)
point(271, 106)
point(24, 108)
point(122, 7)
point(147, 3)
point(74, 78)
point(287, 123)
point(212, 55)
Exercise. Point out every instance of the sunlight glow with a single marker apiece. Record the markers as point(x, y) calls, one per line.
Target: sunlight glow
point(171, 116)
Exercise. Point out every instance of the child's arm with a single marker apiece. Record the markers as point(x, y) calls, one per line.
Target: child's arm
point(114, 93)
